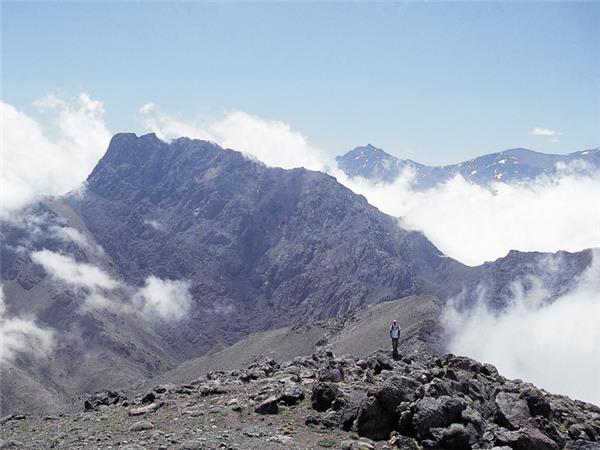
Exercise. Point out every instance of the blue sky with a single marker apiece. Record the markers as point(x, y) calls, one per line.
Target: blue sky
point(435, 82)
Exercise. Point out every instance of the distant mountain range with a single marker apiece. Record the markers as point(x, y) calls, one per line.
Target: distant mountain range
point(509, 166)
point(258, 248)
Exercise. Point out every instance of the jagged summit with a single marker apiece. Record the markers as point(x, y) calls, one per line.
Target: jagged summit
point(131, 148)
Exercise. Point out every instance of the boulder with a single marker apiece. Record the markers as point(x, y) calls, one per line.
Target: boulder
point(193, 444)
point(403, 442)
point(379, 363)
point(489, 370)
point(582, 431)
point(292, 393)
point(373, 420)
point(145, 409)
point(347, 417)
point(142, 425)
point(356, 445)
point(395, 391)
point(332, 373)
point(524, 439)
point(436, 412)
point(324, 395)
point(268, 406)
point(149, 397)
point(456, 436)
point(95, 401)
point(537, 403)
point(212, 388)
point(512, 411)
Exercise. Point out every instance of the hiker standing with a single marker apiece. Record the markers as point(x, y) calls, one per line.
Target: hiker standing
point(395, 335)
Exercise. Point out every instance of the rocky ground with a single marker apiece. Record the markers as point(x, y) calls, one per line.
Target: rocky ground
point(417, 402)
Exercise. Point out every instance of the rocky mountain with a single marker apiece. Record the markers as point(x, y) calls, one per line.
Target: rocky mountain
point(419, 401)
point(509, 166)
point(174, 251)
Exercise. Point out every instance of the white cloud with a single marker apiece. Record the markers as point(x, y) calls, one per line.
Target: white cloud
point(552, 344)
point(69, 271)
point(147, 108)
point(37, 162)
point(165, 299)
point(541, 131)
point(73, 235)
point(474, 224)
point(273, 142)
point(21, 335)
point(168, 299)
point(155, 224)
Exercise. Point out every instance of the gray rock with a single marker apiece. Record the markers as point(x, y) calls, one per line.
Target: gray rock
point(537, 403)
point(292, 393)
point(525, 439)
point(582, 431)
point(331, 374)
point(212, 388)
point(146, 409)
point(193, 444)
point(51, 418)
point(11, 443)
point(142, 425)
point(435, 413)
point(356, 445)
point(512, 411)
point(456, 436)
point(12, 417)
point(95, 402)
point(373, 420)
point(281, 439)
point(193, 411)
point(324, 395)
point(235, 405)
point(268, 406)
point(395, 391)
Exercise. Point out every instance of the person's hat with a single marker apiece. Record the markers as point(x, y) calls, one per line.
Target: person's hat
point(395, 321)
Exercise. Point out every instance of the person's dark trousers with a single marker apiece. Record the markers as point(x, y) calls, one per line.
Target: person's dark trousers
point(395, 347)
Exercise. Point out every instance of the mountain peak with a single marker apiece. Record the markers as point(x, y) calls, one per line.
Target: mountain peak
point(370, 162)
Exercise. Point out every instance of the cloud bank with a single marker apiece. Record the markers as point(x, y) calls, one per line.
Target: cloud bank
point(273, 142)
point(169, 299)
point(21, 335)
point(78, 274)
point(554, 345)
point(158, 298)
point(38, 161)
point(474, 224)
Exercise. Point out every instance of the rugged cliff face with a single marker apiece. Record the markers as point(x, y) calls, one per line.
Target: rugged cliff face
point(262, 247)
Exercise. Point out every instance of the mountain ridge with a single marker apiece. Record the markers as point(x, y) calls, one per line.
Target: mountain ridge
point(512, 165)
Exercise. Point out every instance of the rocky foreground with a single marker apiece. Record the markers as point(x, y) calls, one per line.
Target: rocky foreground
point(417, 402)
